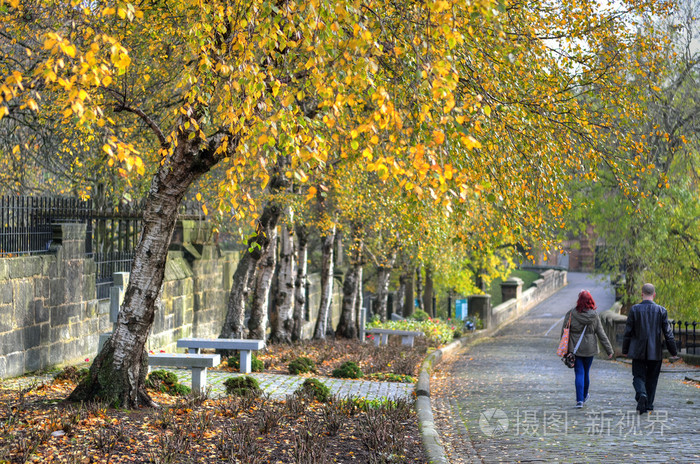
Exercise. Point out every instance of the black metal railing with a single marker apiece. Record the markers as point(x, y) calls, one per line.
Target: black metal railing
point(111, 236)
point(25, 222)
point(686, 336)
point(107, 264)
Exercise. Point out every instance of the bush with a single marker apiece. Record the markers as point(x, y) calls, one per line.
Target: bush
point(457, 334)
point(256, 365)
point(166, 382)
point(348, 370)
point(242, 386)
point(176, 389)
point(301, 365)
point(317, 389)
point(420, 315)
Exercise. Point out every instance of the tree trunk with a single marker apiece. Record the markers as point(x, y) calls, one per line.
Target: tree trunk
point(347, 327)
point(419, 286)
point(401, 294)
point(300, 283)
point(428, 292)
point(327, 245)
point(408, 303)
point(118, 372)
point(383, 275)
point(243, 278)
point(359, 302)
point(257, 325)
point(284, 295)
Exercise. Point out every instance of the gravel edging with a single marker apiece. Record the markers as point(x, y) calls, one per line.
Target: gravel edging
point(432, 447)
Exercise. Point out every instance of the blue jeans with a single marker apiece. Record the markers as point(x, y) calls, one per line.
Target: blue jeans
point(581, 369)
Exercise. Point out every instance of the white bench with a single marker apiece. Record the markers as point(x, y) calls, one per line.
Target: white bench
point(407, 336)
point(244, 346)
point(198, 364)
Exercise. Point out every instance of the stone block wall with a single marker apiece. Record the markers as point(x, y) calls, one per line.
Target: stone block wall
point(194, 297)
point(50, 317)
point(314, 300)
point(48, 311)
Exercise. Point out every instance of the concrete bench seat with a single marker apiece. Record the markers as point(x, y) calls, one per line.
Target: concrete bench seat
point(407, 336)
point(244, 346)
point(197, 363)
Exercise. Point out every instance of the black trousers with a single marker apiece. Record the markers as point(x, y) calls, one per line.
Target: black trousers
point(645, 377)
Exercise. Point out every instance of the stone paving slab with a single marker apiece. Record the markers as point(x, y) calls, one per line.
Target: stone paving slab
point(509, 398)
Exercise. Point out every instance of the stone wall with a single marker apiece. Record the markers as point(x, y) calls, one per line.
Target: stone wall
point(49, 314)
point(314, 300)
point(48, 311)
point(549, 282)
point(193, 301)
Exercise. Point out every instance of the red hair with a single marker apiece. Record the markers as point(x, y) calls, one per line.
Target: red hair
point(585, 302)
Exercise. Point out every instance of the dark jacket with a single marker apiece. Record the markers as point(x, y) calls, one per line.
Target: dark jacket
point(647, 323)
point(589, 344)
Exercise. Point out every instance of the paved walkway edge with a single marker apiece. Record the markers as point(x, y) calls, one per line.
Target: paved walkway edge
point(432, 447)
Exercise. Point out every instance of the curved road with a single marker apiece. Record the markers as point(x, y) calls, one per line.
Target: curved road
point(508, 398)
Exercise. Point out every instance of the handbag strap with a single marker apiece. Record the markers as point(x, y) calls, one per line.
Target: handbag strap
point(580, 338)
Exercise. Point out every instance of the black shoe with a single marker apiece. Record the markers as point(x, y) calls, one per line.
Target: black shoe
point(642, 404)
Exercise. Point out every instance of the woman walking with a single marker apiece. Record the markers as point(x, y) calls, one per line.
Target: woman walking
point(585, 323)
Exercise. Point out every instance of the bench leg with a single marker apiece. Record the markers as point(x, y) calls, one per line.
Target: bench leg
point(193, 350)
point(246, 359)
point(385, 339)
point(199, 380)
point(377, 340)
point(407, 340)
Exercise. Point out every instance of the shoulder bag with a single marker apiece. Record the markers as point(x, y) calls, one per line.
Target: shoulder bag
point(570, 358)
point(564, 342)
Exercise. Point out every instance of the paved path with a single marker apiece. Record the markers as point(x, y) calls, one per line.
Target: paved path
point(509, 398)
point(278, 386)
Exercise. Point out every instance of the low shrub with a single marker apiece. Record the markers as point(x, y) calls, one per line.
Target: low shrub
point(457, 334)
point(301, 365)
point(256, 365)
point(317, 389)
point(244, 385)
point(166, 382)
point(348, 370)
point(420, 315)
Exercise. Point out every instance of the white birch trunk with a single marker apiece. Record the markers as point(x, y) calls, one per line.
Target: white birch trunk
point(257, 325)
point(286, 273)
point(300, 284)
point(328, 242)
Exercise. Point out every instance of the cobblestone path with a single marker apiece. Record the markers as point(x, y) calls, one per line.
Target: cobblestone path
point(509, 398)
point(278, 386)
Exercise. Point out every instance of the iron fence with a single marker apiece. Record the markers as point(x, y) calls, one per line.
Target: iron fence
point(107, 264)
point(686, 336)
point(111, 235)
point(26, 222)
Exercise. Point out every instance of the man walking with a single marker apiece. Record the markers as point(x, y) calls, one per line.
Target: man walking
point(647, 322)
